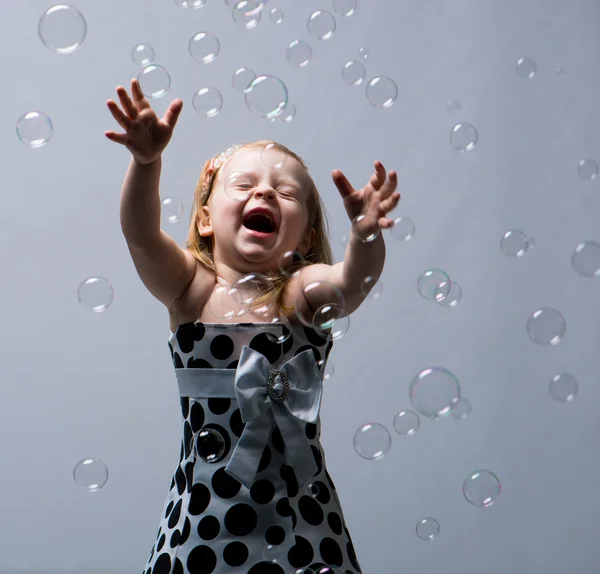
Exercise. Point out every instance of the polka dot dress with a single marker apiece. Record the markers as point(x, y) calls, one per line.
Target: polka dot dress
point(211, 523)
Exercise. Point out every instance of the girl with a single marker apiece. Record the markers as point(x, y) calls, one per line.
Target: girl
point(251, 492)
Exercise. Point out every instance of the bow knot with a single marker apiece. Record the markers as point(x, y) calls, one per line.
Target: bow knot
point(286, 398)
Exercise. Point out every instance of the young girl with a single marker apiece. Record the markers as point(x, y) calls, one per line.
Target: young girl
point(251, 492)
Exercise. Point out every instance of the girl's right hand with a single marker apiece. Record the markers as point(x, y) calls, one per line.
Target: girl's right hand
point(145, 135)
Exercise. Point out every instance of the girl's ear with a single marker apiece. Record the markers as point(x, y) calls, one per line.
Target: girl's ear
point(203, 222)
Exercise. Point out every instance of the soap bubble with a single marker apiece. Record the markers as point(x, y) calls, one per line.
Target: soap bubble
point(451, 298)
point(247, 14)
point(563, 387)
point(321, 24)
point(452, 106)
point(363, 53)
point(353, 73)
point(62, 28)
point(586, 259)
point(288, 114)
point(462, 409)
point(318, 291)
point(434, 392)
point(587, 169)
point(171, 210)
point(242, 78)
point(154, 81)
point(546, 326)
point(273, 157)
point(194, 4)
point(406, 423)
point(298, 53)
point(515, 243)
point(344, 7)
point(267, 96)
point(207, 102)
point(526, 67)
point(276, 16)
point(210, 445)
point(381, 92)
point(91, 474)
point(291, 262)
point(95, 294)
point(35, 129)
point(434, 285)
point(204, 47)
point(463, 137)
point(371, 287)
point(372, 441)
point(481, 488)
point(142, 54)
point(428, 529)
point(403, 229)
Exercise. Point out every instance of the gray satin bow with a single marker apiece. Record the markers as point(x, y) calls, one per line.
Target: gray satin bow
point(288, 397)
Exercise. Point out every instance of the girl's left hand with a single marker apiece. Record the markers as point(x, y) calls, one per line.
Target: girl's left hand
point(375, 200)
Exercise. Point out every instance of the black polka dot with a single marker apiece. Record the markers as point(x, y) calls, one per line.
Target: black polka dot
point(236, 424)
point(266, 568)
point(235, 554)
point(199, 499)
point(174, 518)
point(202, 560)
point(162, 565)
point(209, 528)
point(310, 510)
point(219, 406)
point(225, 485)
point(241, 519)
point(197, 416)
point(301, 554)
point(275, 535)
point(266, 346)
point(262, 491)
point(331, 552)
point(222, 347)
point(335, 522)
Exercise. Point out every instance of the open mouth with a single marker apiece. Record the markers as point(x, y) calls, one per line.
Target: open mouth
point(259, 222)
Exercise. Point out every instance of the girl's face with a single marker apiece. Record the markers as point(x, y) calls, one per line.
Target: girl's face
point(247, 182)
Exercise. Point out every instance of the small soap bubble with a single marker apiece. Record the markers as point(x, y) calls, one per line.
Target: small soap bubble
point(526, 68)
point(381, 92)
point(35, 129)
point(563, 387)
point(267, 96)
point(462, 409)
point(434, 392)
point(242, 78)
point(481, 488)
point(450, 299)
point(288, 114)
point(585, 260)
point(91, 474)
point(313, 489)
point(406, 423)
point(62, 28)
point(353, 73)
point(331, 322)
point(247, 14)
point(273, 553)
point(236, 186)
point(154, 81)
point(282, 331)
point(298, 53)
point(344, 7)
point(321, 24)
point(142, 54)
point(403, 229)
point(204, 47)
point(587, 169)
point(207, 102)
point(210, 445)
point(452, 106)
point(324, 369)
point(428, 529)
point(273, 157)
point(95, 294)
point(171, 210)
point(434, 285)
point(291, 262)
point(371, 287)
point(318, 291)
point(546, 326)
point(463, 137)
point(372, 441)
point(560, 71)
point(515, 243)
point(193, 4)
point(276, 16)
point(366, 228)
point(363, 53)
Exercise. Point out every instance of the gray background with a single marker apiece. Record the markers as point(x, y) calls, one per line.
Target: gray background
point(77, 384)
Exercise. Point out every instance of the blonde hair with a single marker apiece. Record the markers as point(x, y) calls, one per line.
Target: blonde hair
point(319, 252)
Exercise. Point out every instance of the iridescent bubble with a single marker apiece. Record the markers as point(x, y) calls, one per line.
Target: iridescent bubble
point(353, 73)
point(298, 53)
point(321, 24)
point(462, 409)
point(273, 157)
point(236, 186)
point(546, 326)
point(450, 299)
point(210, 445)
point(403, 229)
point(35, 129)
point(317, 293)
point(481, 488)
point(171, 209)
point(204, 47)
point(365, 228)
point(207, 102)
point(267, 96)
point(526, 67)
point(428, 529)
point(247, 14)
point(563, 387)
point(406, 423)
point(463, 137)
point(371, 287)
point(515, 243)
point(288, 114)
point(62, 28)
point(95, 294)
point(587, 169)
point(276, 16)
point(434, 392)
point(291, 262)
point(344, 7)
point(154, 81)
point(585, 260)
point(372, 441)
point(331, 322)
point(91, 474)
point(142, 54)
point(381, 92)
point(242, 78)
point(434, 285)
